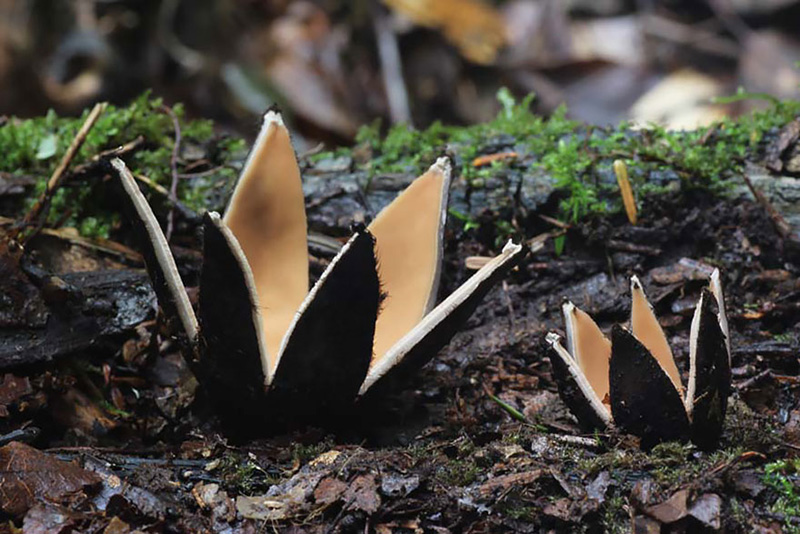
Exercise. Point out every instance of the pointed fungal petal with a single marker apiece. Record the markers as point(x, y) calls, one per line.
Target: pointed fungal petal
point(590, 348)
point(267, 215)
point(436, 329)
point(646, 328)
point(709, 375)
point(169, 288)
point(409, 238)
point(328, 347)
point(716, 289)
point(644, 401)
point(575, 390)
point(233, 360)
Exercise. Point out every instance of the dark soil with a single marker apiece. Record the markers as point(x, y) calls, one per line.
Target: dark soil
point(443, 452)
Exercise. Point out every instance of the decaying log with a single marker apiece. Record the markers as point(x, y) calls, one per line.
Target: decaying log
point(85, 307)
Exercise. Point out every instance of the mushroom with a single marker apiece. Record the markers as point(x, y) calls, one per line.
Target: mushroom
point(632, 381)
point(263, 340)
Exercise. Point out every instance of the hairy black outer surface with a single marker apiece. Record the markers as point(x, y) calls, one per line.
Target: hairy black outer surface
point(644, 402)
point(713, 377)
point(572, 395)
point(441, 334)
point(328, 354)
point(230, 363)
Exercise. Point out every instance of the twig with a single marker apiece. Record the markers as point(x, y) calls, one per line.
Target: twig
point(116, 152)
point(173, 165)
point(101, 245)
point(43, 204)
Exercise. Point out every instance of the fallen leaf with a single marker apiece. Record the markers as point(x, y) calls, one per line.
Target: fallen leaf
point(671, 510)
point(75, 410)
point(506, 481)
point(47, 519)
point(28, 475)
point(474, 27)
point(117, 496)
point(117, 526)
point(12, 389)
point(362, 494)
point(211, 497)
point(706, 509)
point(559, 509)
point(680, 101)
point(329, 490)
point(596, 490)
point(398, 486)
point(290, 498)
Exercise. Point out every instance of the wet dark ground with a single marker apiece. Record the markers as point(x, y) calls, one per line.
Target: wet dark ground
point(447, 450)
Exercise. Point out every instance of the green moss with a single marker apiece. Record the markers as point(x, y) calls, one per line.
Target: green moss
point(241, 473)
point(458, 472)
point(578, 158)
point(783, 477)
point(35, 146)
point(616, 518)
point(302, 453)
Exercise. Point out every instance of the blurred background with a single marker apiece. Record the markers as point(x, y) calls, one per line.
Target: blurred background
point(334, 65)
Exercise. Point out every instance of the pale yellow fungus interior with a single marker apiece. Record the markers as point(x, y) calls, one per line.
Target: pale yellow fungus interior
point(407, 244)
point(267, 216)
point(591, 349)
point(645, 328)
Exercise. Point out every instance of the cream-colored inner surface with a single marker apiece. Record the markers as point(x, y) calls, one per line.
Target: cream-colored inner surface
point(407, 248)
point(592, 350)
point(267, 216)
point(694, 332)
point(602, 409)
point(648, 331)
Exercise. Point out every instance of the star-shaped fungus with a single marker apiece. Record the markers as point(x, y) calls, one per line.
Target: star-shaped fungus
point(632, 381)
point(266, 348)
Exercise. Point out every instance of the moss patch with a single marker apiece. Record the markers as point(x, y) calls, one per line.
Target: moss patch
point(34, 147)
point(578, 158)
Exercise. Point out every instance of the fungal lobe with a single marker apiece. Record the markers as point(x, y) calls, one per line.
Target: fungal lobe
point(161, 267)
point(710, 374)
point(324, 365)
point(646, 328)
point(267, 215)
point(575, 390)
point(644, 401)
point(230, 334)
point(409, 234)
point(590, 348)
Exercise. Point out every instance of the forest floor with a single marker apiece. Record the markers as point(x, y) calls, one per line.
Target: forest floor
point(108, 432)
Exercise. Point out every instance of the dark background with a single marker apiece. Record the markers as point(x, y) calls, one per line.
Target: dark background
point(328, 63)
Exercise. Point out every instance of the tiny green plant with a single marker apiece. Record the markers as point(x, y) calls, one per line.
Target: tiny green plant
point(783, 477)
point(33, 147)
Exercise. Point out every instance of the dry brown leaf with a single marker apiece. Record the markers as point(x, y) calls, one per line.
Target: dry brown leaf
point(671, 510)
point(475, 28)
point(12, 389)
point(680, 101)
point(48, 518)
point(329, 490)
point(506, 481)
point(362, 494)
point(28, 475)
